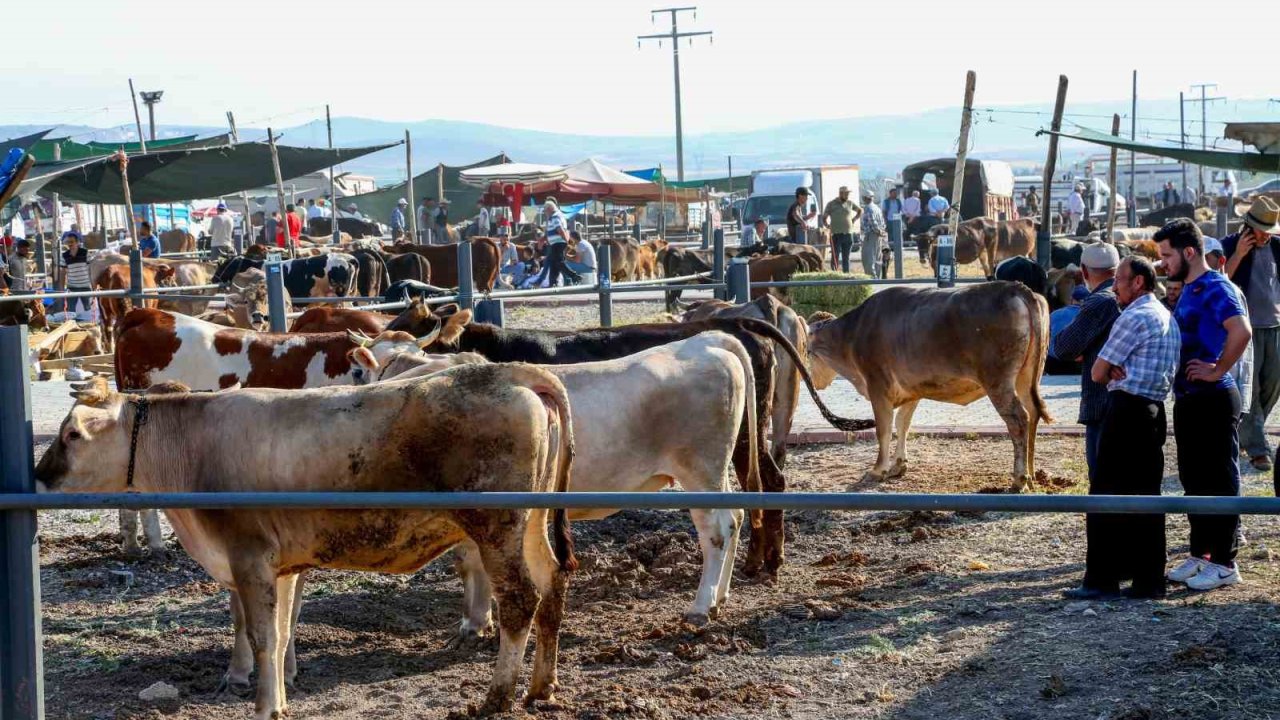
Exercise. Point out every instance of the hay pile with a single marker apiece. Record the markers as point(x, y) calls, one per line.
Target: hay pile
point(835, 299)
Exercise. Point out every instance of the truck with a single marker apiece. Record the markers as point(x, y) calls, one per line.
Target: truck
point(771, 192)
point(1096, 195)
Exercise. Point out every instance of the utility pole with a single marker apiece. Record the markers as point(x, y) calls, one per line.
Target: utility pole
point(674, 36)
point(333, 183)
point(247, 239)
point(1204, 121)
point(150, 98)
point(1131, 208)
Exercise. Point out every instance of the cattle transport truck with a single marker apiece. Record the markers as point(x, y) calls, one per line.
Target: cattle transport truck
point(771, 193)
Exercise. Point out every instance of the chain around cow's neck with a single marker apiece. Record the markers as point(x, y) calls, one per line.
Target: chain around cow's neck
point(141, 409)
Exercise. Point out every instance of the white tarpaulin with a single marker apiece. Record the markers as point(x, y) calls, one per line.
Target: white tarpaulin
point(998, 177)
point(523, 173)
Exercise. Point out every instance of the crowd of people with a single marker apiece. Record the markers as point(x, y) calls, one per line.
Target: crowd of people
point(1214, 343)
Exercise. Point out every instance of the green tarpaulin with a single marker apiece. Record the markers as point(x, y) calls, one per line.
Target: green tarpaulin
point(378, 204)
point(180, 175)
point(72, 150)
point(1251, 161)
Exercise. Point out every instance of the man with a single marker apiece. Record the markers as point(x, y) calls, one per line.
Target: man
point(873, 234)
point(313, 210)
point(270, 226)
point(1058, 321)
point(220, 228)
point(1169, 195)
point(1215, 256)
point(482, 219)
point(426, 218)
point(1172, 291)
point(756, 232)
point(910, 206)
point(585, 265)
point(300, 213)
point(557, 244)
point(1228, 188)
point(508, 256)
point(840, 215)
point(20, 265)
point(148, 243)
point(1257, 274)
point(1033, 203)
point(938, 205)
point(1215, 332)
point(1075, 209)
point(397, 220)
point(1084, 338)
point(1137, 362)
point(442, 222)
point(354, 211)
point(293, 224)
point(798, 217)
point(75, 261)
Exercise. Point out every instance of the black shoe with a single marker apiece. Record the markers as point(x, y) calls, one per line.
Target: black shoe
point(1136, 593)
point(1085, 592)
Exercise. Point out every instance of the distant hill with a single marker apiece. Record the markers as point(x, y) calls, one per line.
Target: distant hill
point(880, 144)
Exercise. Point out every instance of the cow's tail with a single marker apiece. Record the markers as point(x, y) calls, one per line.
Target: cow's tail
point(753, 431)
point(1038, 309)
point(549, 388)
point(760, 327)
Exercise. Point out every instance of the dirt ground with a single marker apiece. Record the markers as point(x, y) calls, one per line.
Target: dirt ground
point(876, 615)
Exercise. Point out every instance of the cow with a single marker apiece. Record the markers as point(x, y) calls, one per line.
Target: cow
point(1022, 269)
point(116, 277)
point(247, 306)
point(1065, 252)
point(22, 310)
point(786, 386)
point(904, 344)
point(444, 261)
point(409, 266)
point(647, 259)
point(809, 256)
point(624, 257)
point(177, 240)
point(371, 272)
point(774, 268)
point(355, 227)
point(331, 319)
point(189, 274)
point(678, 262)
point(710, 373)
point(1062, 282)
point(982, 239)
point(410, 436)
point(1157, 218)
point(498, 344)
point(413, 290)
point(320, 276)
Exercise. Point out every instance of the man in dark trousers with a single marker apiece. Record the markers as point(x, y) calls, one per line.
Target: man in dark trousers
point(1084, 337)
point(798, 217)
point(1215, 332)
point(1253, 263)
point(1137, 364)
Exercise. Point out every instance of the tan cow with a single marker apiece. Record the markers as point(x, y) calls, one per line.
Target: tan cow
point(116, 277)
point(983, 239)
point(907, 344)
point(410, 436)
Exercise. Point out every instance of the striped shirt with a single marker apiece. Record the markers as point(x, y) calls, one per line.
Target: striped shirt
point(1146, 342)
point(556, 228)
point(77, 268)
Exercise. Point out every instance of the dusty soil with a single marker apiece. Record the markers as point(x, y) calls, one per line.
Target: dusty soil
point(877, 615)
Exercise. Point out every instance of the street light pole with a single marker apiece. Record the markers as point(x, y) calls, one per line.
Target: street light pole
point(150, 98)
point(674, 36)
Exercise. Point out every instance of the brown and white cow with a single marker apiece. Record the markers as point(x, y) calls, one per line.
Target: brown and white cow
point(411, 436)
point(983, 239)
point(907, 344)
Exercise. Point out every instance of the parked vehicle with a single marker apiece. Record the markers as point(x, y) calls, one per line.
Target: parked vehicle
point(773, 191)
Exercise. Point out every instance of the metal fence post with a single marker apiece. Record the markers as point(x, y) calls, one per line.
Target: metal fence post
point(135, 276)
point(717, 264)
point(706, 233)
point(611, 226)
point(275, 297)
point(895, 241)
point(466, 283)
point(604, 282)
point(21, 641)
point(946, 259)
point(739, 281)
point(1224, 210)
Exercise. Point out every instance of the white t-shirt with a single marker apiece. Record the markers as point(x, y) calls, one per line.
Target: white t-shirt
point(1075, 203)
point(586, 254)
point(221, 229)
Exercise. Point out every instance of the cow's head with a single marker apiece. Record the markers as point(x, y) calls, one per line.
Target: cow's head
point(823, 374)
point(91, 452)
point(340, 273)
point(925, 242)
point(164, 273)
point(374, 352)
point(248, 304)
point(450, 331)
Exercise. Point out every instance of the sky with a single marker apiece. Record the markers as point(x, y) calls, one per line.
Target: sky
point(574, 66)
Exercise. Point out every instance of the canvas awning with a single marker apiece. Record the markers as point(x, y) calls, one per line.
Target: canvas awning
point(591, 179)
point(503, 173)
point(379, 203)
point(1251, 161)
point(72, 150)
point(180, 175)
point(1263, 135)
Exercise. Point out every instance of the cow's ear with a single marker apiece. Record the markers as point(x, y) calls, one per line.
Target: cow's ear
point(94, 392)
point(364, 358)
point(447, 310)
point(454, 326)
point(425, 341)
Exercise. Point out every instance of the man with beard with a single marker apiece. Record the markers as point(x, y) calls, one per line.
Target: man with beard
point(1215, 331)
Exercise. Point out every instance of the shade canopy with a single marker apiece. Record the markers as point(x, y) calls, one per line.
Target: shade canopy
point(590, 179)
point(380, 203)
point(512, 172)
point(1251, 161)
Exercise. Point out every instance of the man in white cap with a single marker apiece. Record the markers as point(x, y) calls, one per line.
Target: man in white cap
point(221, 230)
point(397, 220)
point(557, 243)
point(1253, 264)
point(1085, 336)
point(873, 236)
point(1075, 209)
point(840, 215)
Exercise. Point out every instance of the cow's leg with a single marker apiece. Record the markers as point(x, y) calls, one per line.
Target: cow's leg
point(285, 591)
point(129, 532)
point(882, 411)
point(236, 680)
point(714, 528)
point(291, 653)
point(730, 554)
point(1007, 403)
point(502, 551)
point(772, 480)
point(151, 530)
point(1033, 427)
point(259, 596)
point(756, 543)
point(786, 397)
point(901, 426)
point(552, 583)
point(477, 593)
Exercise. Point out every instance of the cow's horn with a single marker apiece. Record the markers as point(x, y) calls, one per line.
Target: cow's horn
point(359, 338)
point(425, 341)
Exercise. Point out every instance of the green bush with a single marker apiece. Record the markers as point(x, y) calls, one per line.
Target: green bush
point(835, 299)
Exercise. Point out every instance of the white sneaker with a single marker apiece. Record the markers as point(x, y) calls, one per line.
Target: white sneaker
point(1213, 576)
point(1187, 570)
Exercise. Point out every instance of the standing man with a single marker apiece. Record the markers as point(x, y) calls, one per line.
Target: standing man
point(290, 228)
point(798, 218)
point(1033, 203)
point(557, 243)
point(1169, 196)
point(1215, 332)
point(911, 207)
point(397, 220)
point(938, 206)
point(482, 219)
point(220, 228)
point(148, 243)
point(1084, 339)
point(840, 215)
point(272, 224)
point(21, 265)
point(442, 222)
point(1075, 209)
point(1253, 264)
point(313, 211)
point(75, 260)
point(873, 234)
point(426, 220)
point(1137, 363)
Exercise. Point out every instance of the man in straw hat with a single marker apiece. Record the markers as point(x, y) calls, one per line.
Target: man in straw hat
point(1253, 263)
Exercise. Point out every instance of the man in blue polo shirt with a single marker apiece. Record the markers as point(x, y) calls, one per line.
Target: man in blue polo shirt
point(1215, 331)
point(148, 243)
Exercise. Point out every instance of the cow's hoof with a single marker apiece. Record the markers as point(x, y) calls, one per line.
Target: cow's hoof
point(132, 549)
point(541, 693)
point(898, 470)
point(496, 702)
point(871, 476)
point(237, 688)
point(466, 638)
point(696, 619)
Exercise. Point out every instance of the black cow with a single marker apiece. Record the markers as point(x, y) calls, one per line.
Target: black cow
point(409, 266)
point(677, 261)
point(371, 272)
point(548, 348)
point(1065, 251)
point(412, 289)
point(357, 229)
point(1022, 269)
point(320, 275)
point(1159, 217)
point(233, 266)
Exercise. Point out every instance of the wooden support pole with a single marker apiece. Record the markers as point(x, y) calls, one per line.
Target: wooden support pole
point(137, 119)
point(123, 159)
point(290, 241)
point(962, 153)
point(1111, 180)
point(333, 183)
point(408, 188)
point(247, 240)
point(1050, 165)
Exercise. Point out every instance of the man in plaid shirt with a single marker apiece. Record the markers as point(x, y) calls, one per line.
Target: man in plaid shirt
point(1137, 363)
